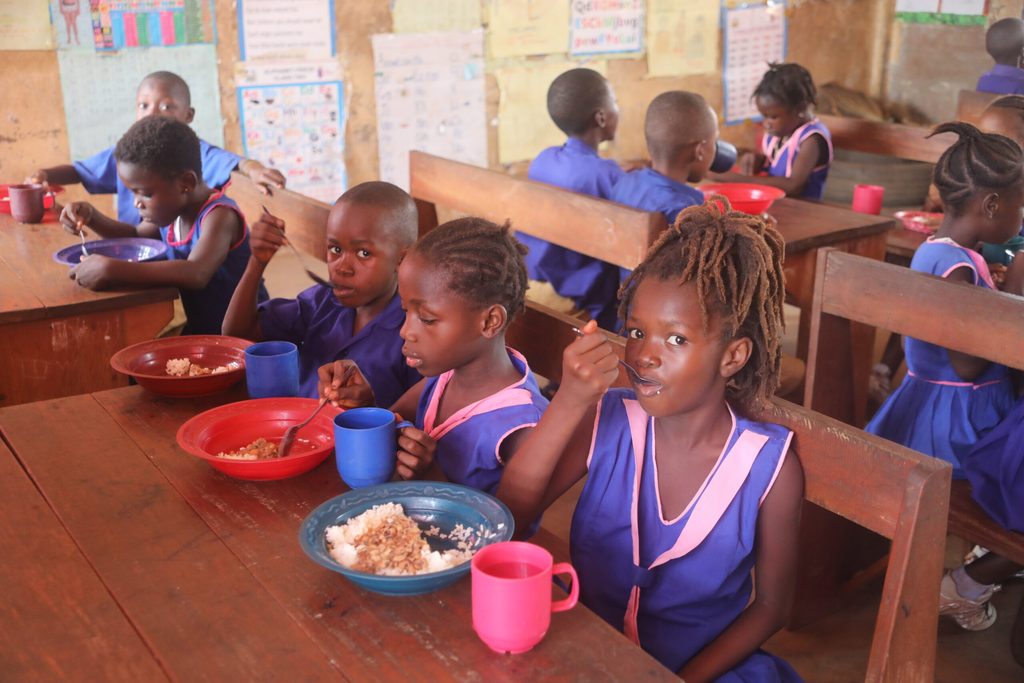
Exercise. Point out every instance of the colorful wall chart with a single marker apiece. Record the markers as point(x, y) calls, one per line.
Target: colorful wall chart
point(606, 26)
point(754, 36)
point(119, 24)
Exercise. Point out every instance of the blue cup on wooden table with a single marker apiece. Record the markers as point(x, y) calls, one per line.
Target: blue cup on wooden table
point(272, 369)
point(365, 445)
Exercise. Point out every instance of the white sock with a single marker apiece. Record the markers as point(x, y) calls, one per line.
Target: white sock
point(966, 586)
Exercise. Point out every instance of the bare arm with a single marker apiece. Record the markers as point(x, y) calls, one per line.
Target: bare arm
point(242, 317)
point(78, 215)
point(806, 161)
point(65, 174)
point(966, 367)
point(265, 178)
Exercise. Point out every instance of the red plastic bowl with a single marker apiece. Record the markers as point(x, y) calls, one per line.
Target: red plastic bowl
point(745, 197)
point(920, 221)
point(226, 428)
point(48, 199)
point(147, 362)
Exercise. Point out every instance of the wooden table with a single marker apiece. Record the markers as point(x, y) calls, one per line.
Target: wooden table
point(127, 559)
point(56, 338)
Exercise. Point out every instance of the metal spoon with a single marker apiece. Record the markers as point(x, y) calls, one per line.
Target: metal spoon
point(313, 276)
point(81, 233)
point(637, 379)
point(289, 435)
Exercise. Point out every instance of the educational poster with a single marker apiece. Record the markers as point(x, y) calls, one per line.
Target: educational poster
point(25, 26)
point(299, 129)
point(917, 5)
point(99, 92)
point(682, 38)
point(420, 16)
point(524, 127)
point(285, 29)
point(519, 28)
point(430, 97)
point(754, 36)
point(72, 24)
point(606, 26)
point(119, 24)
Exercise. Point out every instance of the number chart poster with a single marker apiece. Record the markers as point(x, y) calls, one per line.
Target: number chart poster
point(299, 129)
point(754, 37)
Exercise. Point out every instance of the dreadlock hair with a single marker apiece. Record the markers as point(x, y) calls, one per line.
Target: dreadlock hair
point(574, 97)
point(481, 260)
point(1012, 102)
point(788, 84)
point(976, 162)
point(161, 145)
point(735, 260)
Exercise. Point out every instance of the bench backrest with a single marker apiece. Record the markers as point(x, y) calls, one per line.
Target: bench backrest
point(305, 218)
point(971, 103)
point(891, 490)
point(887, 139)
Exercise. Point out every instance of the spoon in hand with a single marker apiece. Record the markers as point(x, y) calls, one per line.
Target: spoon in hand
point(313, 276)
point(634, 375)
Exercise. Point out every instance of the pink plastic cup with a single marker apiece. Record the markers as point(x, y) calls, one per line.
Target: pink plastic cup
point(512, 603)
point(27, 202)
point(868, 198)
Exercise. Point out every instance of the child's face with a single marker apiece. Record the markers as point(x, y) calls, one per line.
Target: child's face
point(666, 342)
point(779, 120)
point(442, 329)
point(611, 115)
point(362, 258)
point(705, 155)
point(1006, 213)
point(159, 98)
point(1007, 122)
point(159, 199)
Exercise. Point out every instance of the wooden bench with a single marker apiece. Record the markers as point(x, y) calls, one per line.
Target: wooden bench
point(887, 139)
point(907, 503)
point(305, 217)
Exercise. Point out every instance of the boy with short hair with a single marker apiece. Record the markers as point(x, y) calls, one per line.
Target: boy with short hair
point(582, 104)
point(161, 93)
point(1004, 41)
point(369, 230)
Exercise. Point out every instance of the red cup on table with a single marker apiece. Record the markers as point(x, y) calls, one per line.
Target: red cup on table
point(868, 198)
point(512, 602)
point(27, 202)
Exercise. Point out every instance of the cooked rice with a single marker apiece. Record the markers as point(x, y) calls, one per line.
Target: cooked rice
point(260, 449)
point(180, 367)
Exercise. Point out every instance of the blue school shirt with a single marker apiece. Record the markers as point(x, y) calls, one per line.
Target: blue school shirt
point(99, 176)
point(205, 307)
point(321, 327)
point(592, 284)
point(1002, 79)
point(780, 155)
point(649, 190)
point(673, 586)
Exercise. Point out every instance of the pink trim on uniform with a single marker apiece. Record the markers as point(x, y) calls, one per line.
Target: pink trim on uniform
point(593, 437)
point(195, 223)
point(778, 468)
point(772, 149)
point(948, 383)
point(497, 448)
point(980, 267)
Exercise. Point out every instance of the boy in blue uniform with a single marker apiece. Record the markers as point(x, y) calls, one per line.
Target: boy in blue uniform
point(369, 230)
point(1004, 41)
point(161, 93)
point(582, 105)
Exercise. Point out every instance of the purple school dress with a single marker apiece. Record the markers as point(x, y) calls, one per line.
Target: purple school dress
point(592, 284)
point(673, 586)
point(322, 329)
point(995, 468)
point(781, 154)
point(933, 410)
point(205, 307)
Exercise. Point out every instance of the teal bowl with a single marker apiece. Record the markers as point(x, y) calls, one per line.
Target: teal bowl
point(429, 503)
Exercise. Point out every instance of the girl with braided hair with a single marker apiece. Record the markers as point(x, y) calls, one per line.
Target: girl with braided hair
point(685, 495)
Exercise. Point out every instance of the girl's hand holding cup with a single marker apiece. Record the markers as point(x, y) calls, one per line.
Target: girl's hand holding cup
point(589, 366)
point(416, 450)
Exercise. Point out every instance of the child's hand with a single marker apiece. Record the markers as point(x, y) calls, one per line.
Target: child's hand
point(416, 451)
point(267, 179)
point(77, 215)
point(93, 272)
point(589, 366)
point(343, 384)
point(266, 236)
point(39, 178)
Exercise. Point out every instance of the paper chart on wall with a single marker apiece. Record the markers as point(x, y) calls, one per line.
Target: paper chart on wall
point(682, 39)
point(518, 28)
point(299, 129)
point(121, 24)
point(430, 97)
point(285, 29)
point(754, 37)
point(25, 26)
point(420, 16)
point(606, 26)
point(917, 5)
point(99, 92)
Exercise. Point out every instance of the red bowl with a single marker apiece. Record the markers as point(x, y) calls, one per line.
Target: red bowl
point(232, 426)
point(146, 362)
point(920, 221)
point(48, 199)
point(745, 197)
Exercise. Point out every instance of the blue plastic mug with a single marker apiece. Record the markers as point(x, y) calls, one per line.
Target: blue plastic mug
point(1002, 253)
point(365, 444)
point(272, 369)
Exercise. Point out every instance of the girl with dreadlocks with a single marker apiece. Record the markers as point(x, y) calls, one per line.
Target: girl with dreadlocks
point(684, 494)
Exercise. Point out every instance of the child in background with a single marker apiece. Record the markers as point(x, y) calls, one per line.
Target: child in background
point(161, 93)
point(582, 105)
point(684, 495)
point(461, 285)
point(1004, 41)
point(158, 160)
point(796, 149)
point(949, 400)
point(369, 230)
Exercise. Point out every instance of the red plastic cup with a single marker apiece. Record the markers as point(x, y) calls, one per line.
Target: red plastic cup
point(868, 198)
point(512, 603)
point(27, 202)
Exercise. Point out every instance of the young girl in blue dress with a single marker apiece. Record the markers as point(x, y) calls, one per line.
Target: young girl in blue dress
point(684, 496)
point(949, 400)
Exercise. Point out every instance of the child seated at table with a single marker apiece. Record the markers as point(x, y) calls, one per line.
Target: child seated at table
point(796, 149)
point(684, 495)
point(369, 230)
point(161, 93)
point(158, 159)
point(1004, 41)
point(461, 285)
point(582, 104)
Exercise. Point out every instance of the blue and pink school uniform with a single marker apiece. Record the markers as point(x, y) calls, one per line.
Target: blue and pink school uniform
point(934, 410)
point(673, 585)
point(99, 176)
point(592, 284)
point(995, 468)
point(781, 153)
point(205, 307)
point(322, 328)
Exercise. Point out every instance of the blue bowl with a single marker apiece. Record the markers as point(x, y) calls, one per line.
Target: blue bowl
point(429, 503)
point(126, 249)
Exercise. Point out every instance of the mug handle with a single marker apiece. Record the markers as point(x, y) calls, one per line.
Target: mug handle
point(574, 594)
point(403, 424)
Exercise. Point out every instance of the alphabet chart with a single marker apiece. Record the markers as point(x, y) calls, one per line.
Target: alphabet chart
point(754, 36)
